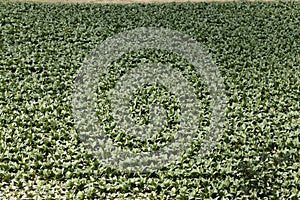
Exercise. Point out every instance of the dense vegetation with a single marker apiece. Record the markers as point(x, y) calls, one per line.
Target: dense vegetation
point(256, 47)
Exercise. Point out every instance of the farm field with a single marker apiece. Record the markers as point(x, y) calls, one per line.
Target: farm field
point(256, 48)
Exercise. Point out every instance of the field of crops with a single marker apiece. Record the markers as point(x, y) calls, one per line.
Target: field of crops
point(256, 48)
